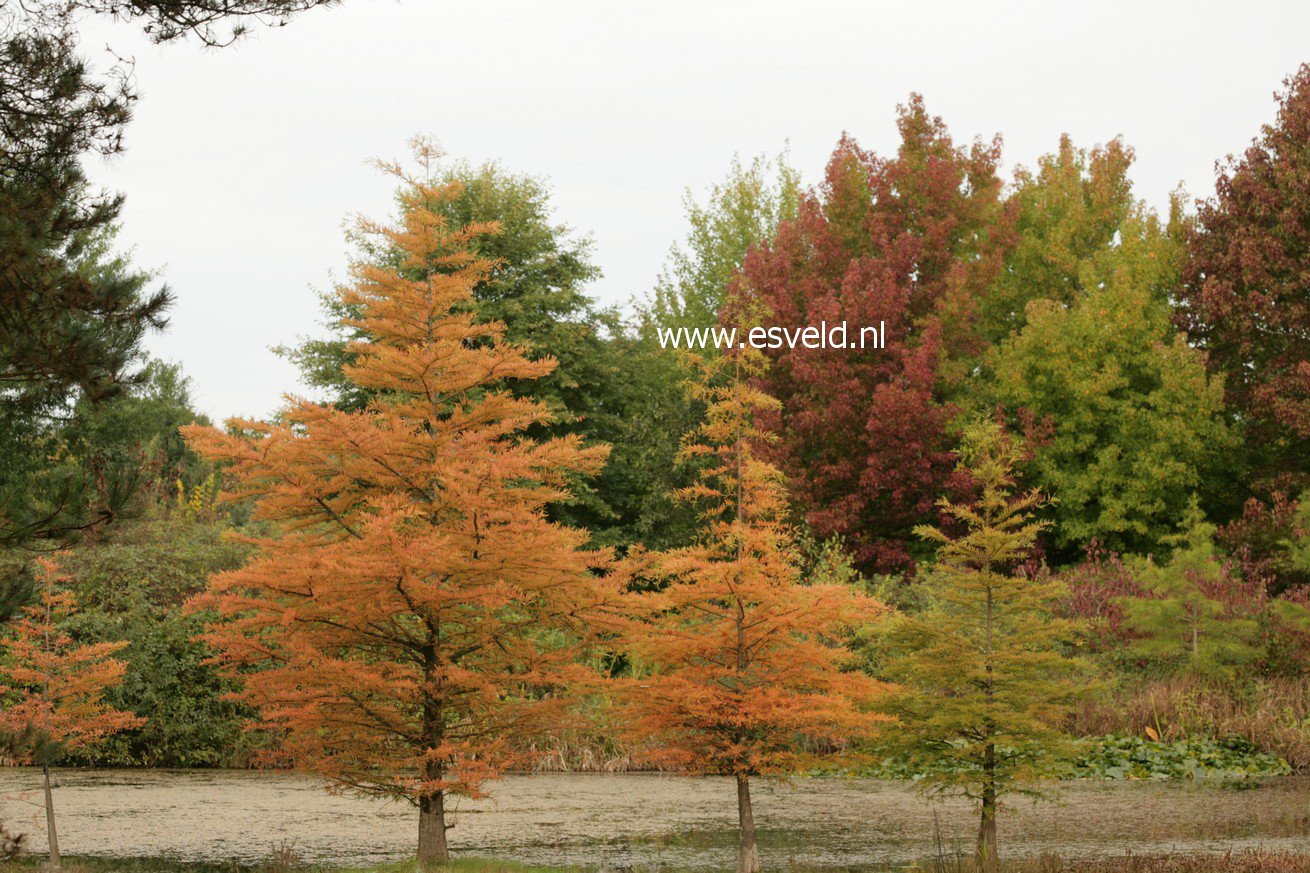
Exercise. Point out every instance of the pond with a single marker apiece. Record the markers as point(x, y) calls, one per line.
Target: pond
point(617, 820)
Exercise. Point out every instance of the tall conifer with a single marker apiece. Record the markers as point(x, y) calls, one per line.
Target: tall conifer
point(740, 664)
point(411, 609)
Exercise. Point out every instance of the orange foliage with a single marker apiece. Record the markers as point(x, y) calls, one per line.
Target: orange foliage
point(52, 685)
point(411, 612)
point(739, 666)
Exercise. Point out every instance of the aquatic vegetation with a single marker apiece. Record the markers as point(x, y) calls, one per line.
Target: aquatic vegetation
point(1230, 758)
point(1123, 757)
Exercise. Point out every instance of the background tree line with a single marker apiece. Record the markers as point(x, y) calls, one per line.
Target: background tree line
point(1058, 303)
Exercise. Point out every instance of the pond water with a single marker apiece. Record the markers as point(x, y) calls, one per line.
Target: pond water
point(646, 820)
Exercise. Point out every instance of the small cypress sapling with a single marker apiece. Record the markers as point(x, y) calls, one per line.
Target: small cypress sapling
point(987, 677)
point(743, 670)
point(53, 689)
point(1191, 617)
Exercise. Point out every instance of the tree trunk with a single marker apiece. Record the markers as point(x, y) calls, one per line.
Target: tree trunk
point(432, 851)
point(987, 857)
point(50, 819)
point(748, 860)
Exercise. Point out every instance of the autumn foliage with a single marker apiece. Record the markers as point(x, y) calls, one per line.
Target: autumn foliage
point(739, 664)
point(53, 688)
point(1244, 299)
point(410, 613)
point(53, 685)
point(1083, 429)
point(910, 242)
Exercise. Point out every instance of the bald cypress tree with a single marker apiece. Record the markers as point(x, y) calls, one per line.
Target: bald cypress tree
point(987, 680)
point(410, 615)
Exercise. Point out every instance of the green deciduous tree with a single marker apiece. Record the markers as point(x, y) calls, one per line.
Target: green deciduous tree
point(535, 287)
point(985, 665)
point(736, 215)
point(131, 586)
point(1066, 214)
point(644, 472)
point(1122, 418)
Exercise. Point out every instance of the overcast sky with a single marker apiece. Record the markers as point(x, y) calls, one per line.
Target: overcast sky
point(242, 163)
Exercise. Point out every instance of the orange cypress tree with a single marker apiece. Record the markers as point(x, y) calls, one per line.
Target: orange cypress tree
point(403, 625)
point(53, 689)
point(739, 668)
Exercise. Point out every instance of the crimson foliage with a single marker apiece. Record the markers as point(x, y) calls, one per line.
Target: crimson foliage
point(910, 242)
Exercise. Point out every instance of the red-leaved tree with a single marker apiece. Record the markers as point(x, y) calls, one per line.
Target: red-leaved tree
point(908, 243)
point(1244, 302)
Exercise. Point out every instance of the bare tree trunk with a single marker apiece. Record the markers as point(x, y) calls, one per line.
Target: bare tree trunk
point(987, 857)
point(432, 850)
point(50, 819)
point(748, 860)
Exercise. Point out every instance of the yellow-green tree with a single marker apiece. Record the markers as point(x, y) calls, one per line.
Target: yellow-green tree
point(1068, 213)
point(985, 667)
point(1121, 417)
point(1192, 617)
point(1125, 421)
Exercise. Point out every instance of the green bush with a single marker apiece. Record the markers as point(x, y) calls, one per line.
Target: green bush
point(132, 586)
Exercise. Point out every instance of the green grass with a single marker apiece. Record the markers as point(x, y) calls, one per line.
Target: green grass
point(78, 864)
point(1236, 862)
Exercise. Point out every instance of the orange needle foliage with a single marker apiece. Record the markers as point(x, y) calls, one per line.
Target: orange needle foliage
point(52, 685)
point(53, 689)
point(746, 671)
point(405, 622)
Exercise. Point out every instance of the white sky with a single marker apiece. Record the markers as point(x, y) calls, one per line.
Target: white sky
point(242, 163)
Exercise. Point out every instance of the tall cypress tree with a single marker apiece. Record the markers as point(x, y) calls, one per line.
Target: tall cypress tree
point(739, 657)
point(410, 605)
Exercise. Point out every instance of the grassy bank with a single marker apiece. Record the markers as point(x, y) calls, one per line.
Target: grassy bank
point(163, 865)
point(1236, 732)
point(1237, 862)
point(1272, 714)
